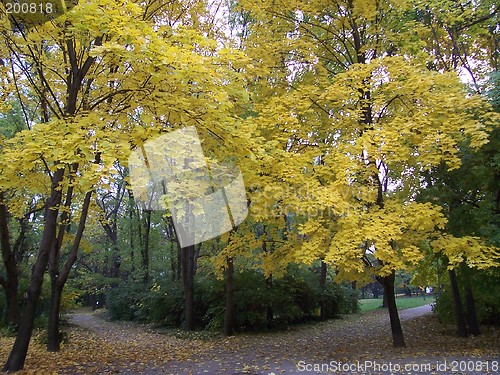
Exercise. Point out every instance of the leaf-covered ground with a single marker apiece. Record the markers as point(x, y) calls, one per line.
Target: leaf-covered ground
point(96, 346)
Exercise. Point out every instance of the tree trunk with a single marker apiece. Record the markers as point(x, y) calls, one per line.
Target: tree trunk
point(469, 302)
point(58, 280)
point(53, 334)
point(116, 261)
point(471, 312)
point(459, 311)
point(17, 356)
point(145, 249)
point(269, 308)
point(188, 283)
point(11, 282)
point(397, 332)
point(322, 283)
point(229, 308)
point(186, 270)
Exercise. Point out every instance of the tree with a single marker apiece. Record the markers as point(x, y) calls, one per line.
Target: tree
point(60, 276)
point(362, 100)
point(100, 76)
point(463, 38)
point(10, 282)
point(14, 119)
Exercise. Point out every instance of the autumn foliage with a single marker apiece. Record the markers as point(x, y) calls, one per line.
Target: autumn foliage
point(354, 124)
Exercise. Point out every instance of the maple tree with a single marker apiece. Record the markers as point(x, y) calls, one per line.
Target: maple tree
point(354, 108)
point(464, 39)
point(107, 76)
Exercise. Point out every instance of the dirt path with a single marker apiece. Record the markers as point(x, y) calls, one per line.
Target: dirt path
point(322, 348)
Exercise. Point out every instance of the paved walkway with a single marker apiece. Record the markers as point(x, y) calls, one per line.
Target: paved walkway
point(357, 344)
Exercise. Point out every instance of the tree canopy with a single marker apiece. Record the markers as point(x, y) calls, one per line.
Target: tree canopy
point(365, 133)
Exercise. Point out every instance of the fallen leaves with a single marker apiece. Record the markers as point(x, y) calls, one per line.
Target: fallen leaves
point(96, 346)
point(106, 348)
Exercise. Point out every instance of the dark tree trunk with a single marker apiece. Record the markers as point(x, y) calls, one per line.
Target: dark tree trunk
point(459, 311)
point(186, 265)
point(116, 261)
point(145, 249)
point(58, 280)
point(54, 256)
point(188, 283)
point(229, 308)
point(469, 302)
point(471, 312)
point(397, 332)
point(322, 283)
point(17, 356)
point(53, 333)
point(269, 308)
point(11, 281)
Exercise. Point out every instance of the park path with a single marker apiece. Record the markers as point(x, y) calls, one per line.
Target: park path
point(332, 344)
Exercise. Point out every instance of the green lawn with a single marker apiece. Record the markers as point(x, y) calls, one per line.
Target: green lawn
point(402, 302)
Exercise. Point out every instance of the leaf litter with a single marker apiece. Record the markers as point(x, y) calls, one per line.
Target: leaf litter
point(94, 345)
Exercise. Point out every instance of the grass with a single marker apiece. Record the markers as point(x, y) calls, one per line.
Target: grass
point(370, 304)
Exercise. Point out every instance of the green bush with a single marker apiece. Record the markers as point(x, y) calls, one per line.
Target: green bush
point(164, 304)
point(294, 298)
point(486, 288)
point(124, 302)
point(259, 303)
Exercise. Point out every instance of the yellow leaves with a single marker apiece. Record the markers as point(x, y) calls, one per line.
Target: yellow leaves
point(424, 218)
point(413, 110)
point(470, 249)
point(413, 254)
point(390, 237)
point(113, 48)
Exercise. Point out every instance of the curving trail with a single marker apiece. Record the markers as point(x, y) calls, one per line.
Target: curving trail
point(321, 348)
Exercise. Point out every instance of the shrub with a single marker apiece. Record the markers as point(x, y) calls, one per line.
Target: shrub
point(125, 301)
point(164, 304)
point(259, 303)
point(486, 288)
